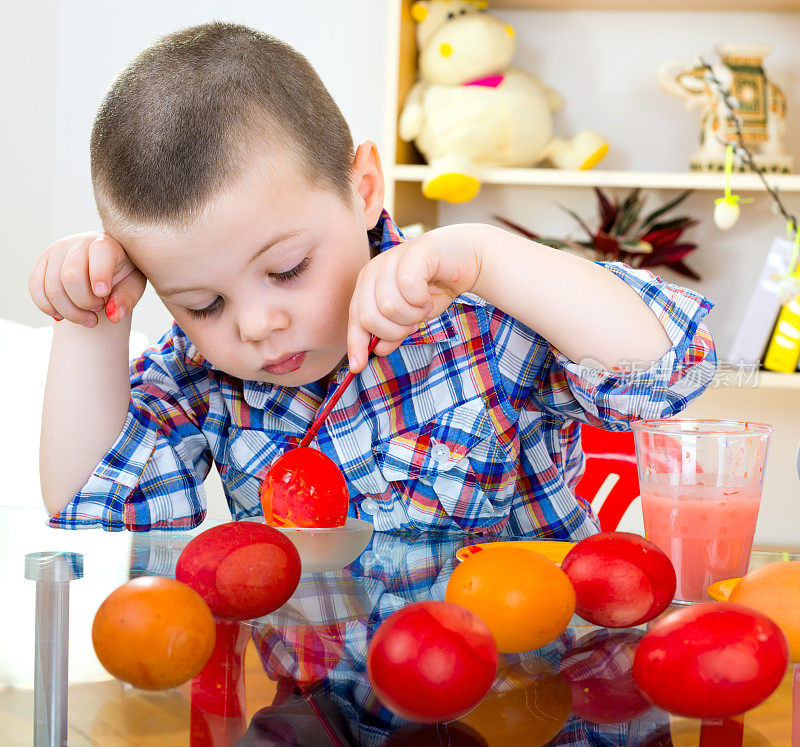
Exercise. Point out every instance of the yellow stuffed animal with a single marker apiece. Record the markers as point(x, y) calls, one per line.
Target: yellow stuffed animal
point(470, 110)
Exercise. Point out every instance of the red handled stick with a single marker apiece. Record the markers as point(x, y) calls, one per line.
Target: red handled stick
point(335, 397)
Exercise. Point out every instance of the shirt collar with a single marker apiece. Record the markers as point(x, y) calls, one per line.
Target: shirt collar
point(384, 236)
point(293, 406)
point(192, 354)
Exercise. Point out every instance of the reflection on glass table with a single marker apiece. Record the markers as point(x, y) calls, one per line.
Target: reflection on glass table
point(298, 675)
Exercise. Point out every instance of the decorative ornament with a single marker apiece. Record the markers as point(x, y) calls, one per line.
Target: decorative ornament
point(726, 210)
point(788, 288)
point(757, 103)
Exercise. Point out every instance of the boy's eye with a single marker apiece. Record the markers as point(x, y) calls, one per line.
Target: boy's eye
point(281, 277)
point(214, 306)
point(298, 269)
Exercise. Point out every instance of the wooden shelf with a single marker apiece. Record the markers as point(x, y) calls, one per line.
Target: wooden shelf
point(761, 379)
point(600, 178)
point(729, 6)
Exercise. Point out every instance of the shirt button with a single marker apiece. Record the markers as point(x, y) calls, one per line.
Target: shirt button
point(368, 506)
point(440, 453)
point(367, 558)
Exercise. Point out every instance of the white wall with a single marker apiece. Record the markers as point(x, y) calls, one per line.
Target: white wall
point(28, 38)
point(58, 59)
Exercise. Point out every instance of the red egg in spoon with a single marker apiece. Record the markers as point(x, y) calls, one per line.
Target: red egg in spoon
point(304, 488)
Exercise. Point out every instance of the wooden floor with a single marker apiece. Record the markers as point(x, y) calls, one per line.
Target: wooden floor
point(769, 724)
point(107, 714)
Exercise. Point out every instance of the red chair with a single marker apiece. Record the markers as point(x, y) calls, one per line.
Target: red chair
point(611, 481)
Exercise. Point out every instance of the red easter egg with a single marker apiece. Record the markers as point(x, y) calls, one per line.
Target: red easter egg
point(242, 569)
point(620, 579)
point(432, 661)
point(304, 488)
point(599, 671)
point(711, 660)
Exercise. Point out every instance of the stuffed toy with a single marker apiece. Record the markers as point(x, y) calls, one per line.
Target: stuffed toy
point(470, 110)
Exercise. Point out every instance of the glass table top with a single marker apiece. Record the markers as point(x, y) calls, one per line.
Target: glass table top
point(298, 675)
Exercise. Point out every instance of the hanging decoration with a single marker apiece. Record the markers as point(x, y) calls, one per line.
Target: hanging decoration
point(726, 210)
point(790, 282)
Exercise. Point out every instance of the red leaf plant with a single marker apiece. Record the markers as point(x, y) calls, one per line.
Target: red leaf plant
point(622, 237)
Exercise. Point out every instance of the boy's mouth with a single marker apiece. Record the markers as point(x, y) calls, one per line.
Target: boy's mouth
point(286, 364)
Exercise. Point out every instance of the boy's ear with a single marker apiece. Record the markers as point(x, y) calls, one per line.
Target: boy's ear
point(367, 176)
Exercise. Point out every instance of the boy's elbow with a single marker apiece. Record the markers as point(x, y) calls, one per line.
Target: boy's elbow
point(55, 504)
point(55, 497)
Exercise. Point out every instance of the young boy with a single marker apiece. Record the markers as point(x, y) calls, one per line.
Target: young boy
point(225, 175)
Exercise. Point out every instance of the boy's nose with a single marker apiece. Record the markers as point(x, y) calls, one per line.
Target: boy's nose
point(258, 322)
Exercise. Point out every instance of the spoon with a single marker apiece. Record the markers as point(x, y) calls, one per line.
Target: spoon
point(305, 489)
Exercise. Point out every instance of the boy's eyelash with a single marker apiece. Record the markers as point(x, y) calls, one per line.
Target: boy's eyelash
point(281, 277)
point(208, 310)
point(298, 269)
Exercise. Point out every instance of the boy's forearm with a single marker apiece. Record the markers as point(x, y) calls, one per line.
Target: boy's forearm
point(85, 405)
point(588, 313)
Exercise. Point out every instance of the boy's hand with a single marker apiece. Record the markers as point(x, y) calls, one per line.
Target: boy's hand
point(81, 275)
point(407, 285)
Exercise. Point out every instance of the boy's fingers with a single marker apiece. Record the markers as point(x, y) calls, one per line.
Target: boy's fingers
point(357, 344)
point(366, 319)
point(36, 288)
point(58, 297)
point(124, 296)
point(114, 275)
point(392, 304)
point(384, 347)
point(412, 279)
point(103, 255)
point(372, 320)
point(357, 337)
point(75, 277)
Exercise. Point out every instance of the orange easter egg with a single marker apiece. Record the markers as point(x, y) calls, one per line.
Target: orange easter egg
point(155, 633)
point(525, 599)
point(774, 590)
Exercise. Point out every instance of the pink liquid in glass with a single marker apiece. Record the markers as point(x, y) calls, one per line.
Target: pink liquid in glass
point(706, 531)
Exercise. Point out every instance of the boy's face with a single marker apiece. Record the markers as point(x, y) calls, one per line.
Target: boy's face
point(262, 283)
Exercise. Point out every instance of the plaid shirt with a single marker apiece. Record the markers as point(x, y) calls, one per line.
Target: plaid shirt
point(472, 424)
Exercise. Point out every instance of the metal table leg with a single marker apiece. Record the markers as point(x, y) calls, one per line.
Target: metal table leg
point(52, 572)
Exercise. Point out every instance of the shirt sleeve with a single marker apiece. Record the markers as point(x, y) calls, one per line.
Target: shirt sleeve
point(152, 476)
point(538, 376)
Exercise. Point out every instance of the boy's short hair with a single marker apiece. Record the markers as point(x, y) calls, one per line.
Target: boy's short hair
point(184, 117)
